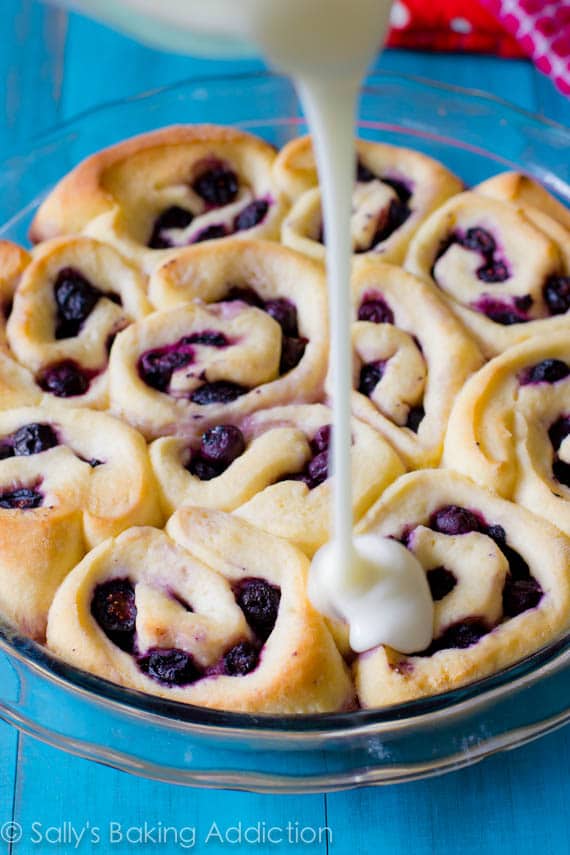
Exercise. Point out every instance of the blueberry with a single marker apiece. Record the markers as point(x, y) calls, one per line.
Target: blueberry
point(222, 444)
point(252, 215)
point(156, 367)
point(454, 520)
point(75, 299)
point(460, 635)
point(22, 499)
point(376, 311)
point(415, 417)
point(322, 439)
point(65, 379)
point(241, 659)
point(441, 582)
point(556, 293)
point(292, 351)
point(170, 666)
point(113, 608)
point(370, 376)
point(317, 469)
point(284, 312)
point(172, 218)
point(363, 174)
point(210, 233)
point(398, 213)
point(33, 439)
point(218, 392)
point(478, 239)
point(547, 371)
point(493, 271)
point(401, 189)
point(210, 338)
point(558, 431)
point(217, 185)
point(519, 595)
point(561, 471)
point(205, 470)
point(259, 601)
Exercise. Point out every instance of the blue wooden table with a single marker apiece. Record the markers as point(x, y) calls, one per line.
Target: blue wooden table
point(52, 66)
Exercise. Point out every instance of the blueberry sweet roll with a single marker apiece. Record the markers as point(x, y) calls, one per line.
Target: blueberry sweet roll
point(274, 468)
point(508, 429)
point(68, 480)
point(213, 613)
point(524, 190)
point(411, 358)
point(17, 387)
point(178, 186)
point(499, 578)
point(395, 190)
point(247, 330)
point(504, 268)
point(72, 300)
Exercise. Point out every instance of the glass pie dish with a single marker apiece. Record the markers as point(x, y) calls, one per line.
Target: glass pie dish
point(475, 136)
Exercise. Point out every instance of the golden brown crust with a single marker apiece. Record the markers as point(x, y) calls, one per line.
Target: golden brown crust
point(524, 190)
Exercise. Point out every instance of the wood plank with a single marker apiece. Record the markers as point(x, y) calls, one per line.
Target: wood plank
point(31, 64)
point(81, 792)
point(512, 802)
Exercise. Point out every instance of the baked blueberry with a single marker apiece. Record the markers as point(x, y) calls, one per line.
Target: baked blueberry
point(169, 666)
point(292, 351)
point(556, 293)
point(218, 392)
point(218, 185)
point(21, 499)
point(547, 371)
point(441, 582)
point(284, 312)
point(33, 439)
point(479, 240)
point(114, 609)
point(454, 520)
point(65, 379)
point(252, 215)
point(222, 444)
point(173, 218)
point(370, 376)
point(217, 230)
point(376, 311)
point(241, 659)
point(259, 601)
point(75, 299)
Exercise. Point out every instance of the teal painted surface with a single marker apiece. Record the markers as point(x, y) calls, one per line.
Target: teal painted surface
point(52, 67)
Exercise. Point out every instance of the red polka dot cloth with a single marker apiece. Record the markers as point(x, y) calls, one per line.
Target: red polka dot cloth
point(536, 28)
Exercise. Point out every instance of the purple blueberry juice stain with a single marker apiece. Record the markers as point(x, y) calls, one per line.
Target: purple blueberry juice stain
point(216, 183)
point(114, 609)
point(284, 312)
point(243, 294)
point(375, 310)
point(415, 417)
point(169, 666)
point(548, 371)
point(65, 379)
point(503, 312)
point(458, 636)
point(259, 601)
point(174, 218)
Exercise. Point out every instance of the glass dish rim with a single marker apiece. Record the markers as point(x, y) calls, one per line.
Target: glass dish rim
point(324, 726)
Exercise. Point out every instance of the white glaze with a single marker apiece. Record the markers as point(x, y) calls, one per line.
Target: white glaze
point(326, 46)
